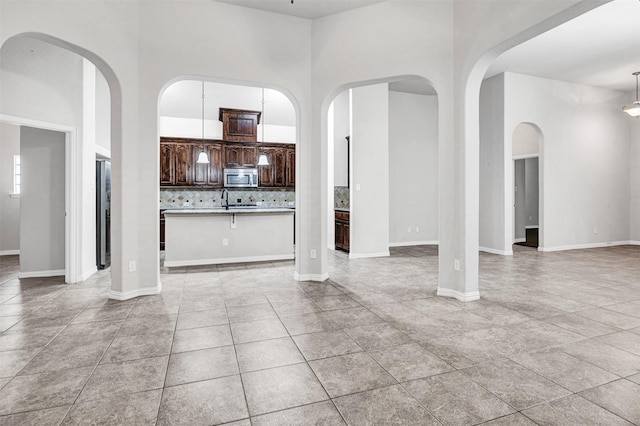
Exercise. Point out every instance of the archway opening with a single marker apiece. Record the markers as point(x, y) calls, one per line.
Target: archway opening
point(228, 164)
point(527, 188)
point(382, 179)
point(54, 90)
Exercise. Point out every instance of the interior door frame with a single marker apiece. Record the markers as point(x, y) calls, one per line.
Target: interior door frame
point(513, 191)
point(72, 193)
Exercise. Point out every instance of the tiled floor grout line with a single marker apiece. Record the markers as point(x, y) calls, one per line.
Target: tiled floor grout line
point(235, 352)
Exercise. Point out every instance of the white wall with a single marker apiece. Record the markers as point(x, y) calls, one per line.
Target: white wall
point(103, 116)
point(42, 202)
point(493, 236)
point(584, 158)
point(181, 110)
point(9, 207)
point(634, 124)
point(369, 200)
point(413, 168)
point(525, 141)
point(341, 120)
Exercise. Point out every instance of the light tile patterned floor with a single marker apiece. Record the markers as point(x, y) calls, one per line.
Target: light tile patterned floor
point(555, 340)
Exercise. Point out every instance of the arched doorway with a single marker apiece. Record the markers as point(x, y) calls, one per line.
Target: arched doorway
point(382, 180)
point(209, 132)
point(52, 86)
point(527, 189)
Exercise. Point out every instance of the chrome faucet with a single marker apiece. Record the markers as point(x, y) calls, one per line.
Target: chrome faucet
point(225, 198)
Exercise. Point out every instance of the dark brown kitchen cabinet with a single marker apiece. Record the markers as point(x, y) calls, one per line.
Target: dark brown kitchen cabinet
point(209, 175)
point(342, 230)
point(239, 155)
point(176, 164)
point(167, 165)
point(275, 174)
point(291, 168)
point(239, 125)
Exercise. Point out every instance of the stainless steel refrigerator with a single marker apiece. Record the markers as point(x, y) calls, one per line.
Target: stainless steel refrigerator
point(103, 213)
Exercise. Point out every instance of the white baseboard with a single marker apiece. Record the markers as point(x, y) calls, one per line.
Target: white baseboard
point(310, 277)
point(42, 274)
point(463, 297)
point(519, 240)
point(364, 255)
point(585, 246)
point(87, 274)
point(634, 243)
point(9, 252)
point(495, 251)
point(174, 263)
point(126, 295)
point(414, 243)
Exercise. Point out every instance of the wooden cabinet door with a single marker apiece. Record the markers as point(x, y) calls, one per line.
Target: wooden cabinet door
point(239, 125)
point(183, 164)
point(209, 175)
point(200, 171)
point(167, 162)
point(274, 175)
point(215, 178)
point(232, 156)
point(291, 168)
point(248, 156)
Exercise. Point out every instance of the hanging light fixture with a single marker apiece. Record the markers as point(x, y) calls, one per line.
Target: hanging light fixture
point(203, 158)
point(634, 109)
point(263, 160)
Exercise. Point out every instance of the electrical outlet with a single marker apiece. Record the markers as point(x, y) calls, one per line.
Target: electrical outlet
point(132, 266)
point(409, 229)
point(357, 187)
point(225, 242)
point(291, 203)
point(313, 254)
point(417, 229)
point(456, 264)
point(595, 231)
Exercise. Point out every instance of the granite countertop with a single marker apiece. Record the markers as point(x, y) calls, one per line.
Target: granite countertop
point(341, 209)
point(234, 210)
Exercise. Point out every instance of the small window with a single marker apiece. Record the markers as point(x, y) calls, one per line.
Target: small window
point(16, 174)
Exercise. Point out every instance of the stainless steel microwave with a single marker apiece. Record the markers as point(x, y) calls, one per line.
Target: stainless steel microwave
point(240, 178)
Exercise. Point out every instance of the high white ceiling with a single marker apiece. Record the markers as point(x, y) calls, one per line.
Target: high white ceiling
point(600, 48)
point(310, 9)
point(184, 99)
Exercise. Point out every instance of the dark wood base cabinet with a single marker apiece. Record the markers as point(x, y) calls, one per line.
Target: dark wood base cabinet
point(161, 229)
point(342, 230)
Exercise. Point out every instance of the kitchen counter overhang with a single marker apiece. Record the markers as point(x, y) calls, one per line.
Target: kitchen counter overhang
point(218, 236)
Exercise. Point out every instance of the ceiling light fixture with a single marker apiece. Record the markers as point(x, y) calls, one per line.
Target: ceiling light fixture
point(203, 158)
point(634, 109)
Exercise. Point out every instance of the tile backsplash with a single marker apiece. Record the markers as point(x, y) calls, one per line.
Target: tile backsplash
point(341, 197)
point(177, 198)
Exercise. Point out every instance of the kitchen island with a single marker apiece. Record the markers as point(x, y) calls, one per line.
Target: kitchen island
point(218, 235)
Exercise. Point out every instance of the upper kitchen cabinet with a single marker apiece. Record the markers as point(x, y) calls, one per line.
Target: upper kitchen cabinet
point(176, 164)
point(209, 175)
point(273, 175)
point(239, 125)
point(291, 167)
point(239, 156)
